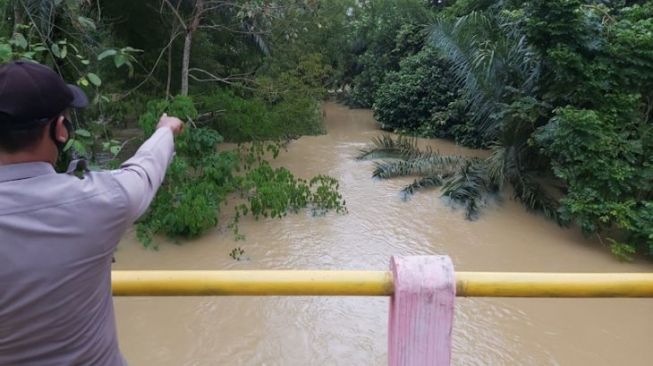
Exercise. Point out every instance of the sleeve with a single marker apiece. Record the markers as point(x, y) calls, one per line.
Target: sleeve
point(141, 176)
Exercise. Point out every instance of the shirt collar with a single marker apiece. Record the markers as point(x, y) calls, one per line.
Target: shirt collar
point(13, 172)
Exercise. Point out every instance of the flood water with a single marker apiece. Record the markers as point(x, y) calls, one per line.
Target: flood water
point(352, 331)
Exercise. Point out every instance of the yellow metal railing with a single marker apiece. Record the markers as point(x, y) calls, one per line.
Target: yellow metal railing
point(374, 283)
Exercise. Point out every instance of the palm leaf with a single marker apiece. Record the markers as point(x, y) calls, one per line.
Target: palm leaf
point(470, 187)
point(489, 58)
point(534, 197)
point(429, 165)
point(468, 182)
point(419, 184)
point(386, 147)
point(496, 165)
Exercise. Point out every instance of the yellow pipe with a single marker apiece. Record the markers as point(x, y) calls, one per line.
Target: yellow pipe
point(506, 284)
point(253, 283)
point(374, 283)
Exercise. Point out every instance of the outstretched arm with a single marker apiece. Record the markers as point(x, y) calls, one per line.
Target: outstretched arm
point(141, 176)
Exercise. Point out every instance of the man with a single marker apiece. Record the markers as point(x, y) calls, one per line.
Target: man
point(58, 232)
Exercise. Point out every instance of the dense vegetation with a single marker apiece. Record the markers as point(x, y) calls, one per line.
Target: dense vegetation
point(239, 71)
point(560, 92)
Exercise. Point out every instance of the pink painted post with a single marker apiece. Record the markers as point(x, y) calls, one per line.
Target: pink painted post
point(421, 311)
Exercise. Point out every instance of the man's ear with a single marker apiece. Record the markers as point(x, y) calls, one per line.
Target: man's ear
point(61, 132)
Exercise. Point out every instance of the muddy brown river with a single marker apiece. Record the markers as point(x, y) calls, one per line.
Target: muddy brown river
point(352, 331)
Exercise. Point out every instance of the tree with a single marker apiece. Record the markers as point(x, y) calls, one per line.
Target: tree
point(252, 18)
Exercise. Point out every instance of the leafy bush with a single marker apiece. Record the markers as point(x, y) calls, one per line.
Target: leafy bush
point(239, 119)
point(599, 137)
point(422, 97)
point(200, 178)
point(383, 32)
point(276, 192)
point(613, 191)
point(411, 95)
point(121, 113)
point(197, 181)
point(366, 83)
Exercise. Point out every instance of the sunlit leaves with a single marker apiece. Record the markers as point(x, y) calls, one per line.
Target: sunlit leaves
point(94, 79)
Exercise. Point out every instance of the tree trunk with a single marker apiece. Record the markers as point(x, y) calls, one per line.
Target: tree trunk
point(188, 44)
point(169, 81)
point(185, 64)
point(19, 16)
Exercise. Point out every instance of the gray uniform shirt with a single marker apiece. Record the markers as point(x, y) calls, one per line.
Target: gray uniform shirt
point(57, 237)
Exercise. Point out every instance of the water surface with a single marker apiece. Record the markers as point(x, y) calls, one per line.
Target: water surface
point(353, 331)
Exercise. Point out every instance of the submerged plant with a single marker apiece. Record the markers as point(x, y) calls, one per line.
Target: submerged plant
point(469, 182)
point(237, 254)
point(201, 179)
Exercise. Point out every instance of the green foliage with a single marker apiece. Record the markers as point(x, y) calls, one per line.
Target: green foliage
point(478, 86)
point(612, 191)
point(423, 97)
point(239, 119)
point(183, 210)
point(383, 32)
point(307, 78)
point(622, 251)
point(121, 57)
point(515, 63)
point(200, 179)
point(560, 90)
point(181, 107)
point(491, 62)
point(410, 96)
point(549, 23)
point(274, 193)
point(466, 182)
point(122, 112)
point(599, 138)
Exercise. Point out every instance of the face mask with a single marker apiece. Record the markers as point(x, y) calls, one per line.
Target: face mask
point(53, 134)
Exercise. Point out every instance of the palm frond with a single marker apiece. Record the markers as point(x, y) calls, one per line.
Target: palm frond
point(422, 183)
point(468, 182)
point(470, 187)
point(496, 165)
point(430, 165)
point(488, 58)
point(386, 147)
point(534, 197)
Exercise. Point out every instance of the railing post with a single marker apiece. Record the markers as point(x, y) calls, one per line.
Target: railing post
point(421, 311)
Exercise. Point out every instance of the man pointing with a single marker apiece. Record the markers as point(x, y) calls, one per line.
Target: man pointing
point(58, 232)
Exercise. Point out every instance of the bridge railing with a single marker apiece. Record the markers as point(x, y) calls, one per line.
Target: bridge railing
point(421, 289)
point(375, 283)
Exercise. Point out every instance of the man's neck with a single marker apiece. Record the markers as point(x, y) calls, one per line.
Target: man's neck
point(22, 158)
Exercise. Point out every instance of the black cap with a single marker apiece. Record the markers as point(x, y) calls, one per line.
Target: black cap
point(31, 92)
